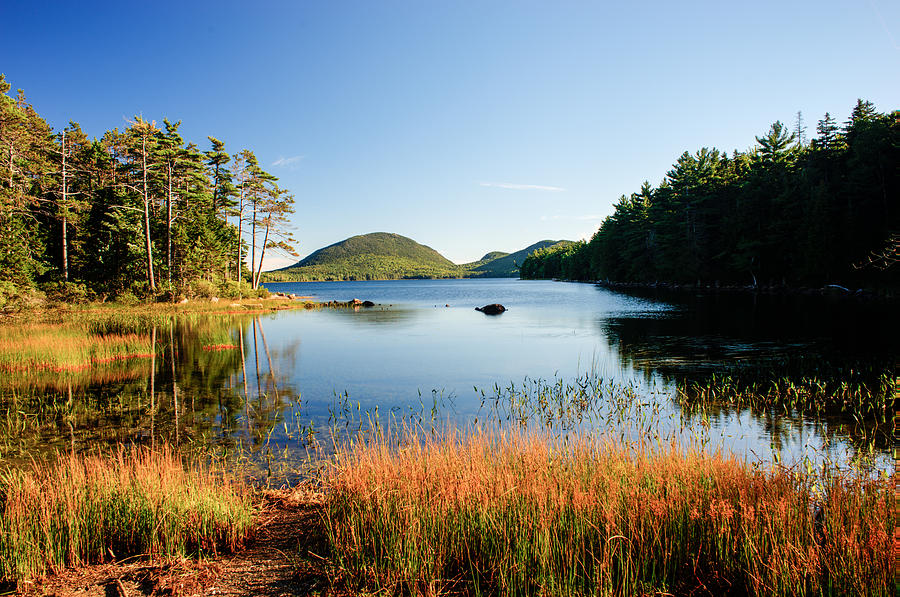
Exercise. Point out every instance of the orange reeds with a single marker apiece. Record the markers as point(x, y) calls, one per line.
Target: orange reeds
point(65, 347)
point(518, 513)
point(80, 510)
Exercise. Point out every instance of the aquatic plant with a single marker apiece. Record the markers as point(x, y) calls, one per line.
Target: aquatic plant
point(84, 509)
point(864, 393)
point(523, 514)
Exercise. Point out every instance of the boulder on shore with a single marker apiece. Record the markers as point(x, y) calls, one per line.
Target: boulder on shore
point(495, 309)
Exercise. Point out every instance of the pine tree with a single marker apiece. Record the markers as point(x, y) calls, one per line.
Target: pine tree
point(274, 212)
point(142, 144)
point(800, 130)
point(828, 132)
point(170, 144)
point(26, 149)
point(72, 197)
point(217, 159)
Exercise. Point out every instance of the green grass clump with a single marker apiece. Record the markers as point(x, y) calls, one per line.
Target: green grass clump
point(80, 510)
point(519, 514)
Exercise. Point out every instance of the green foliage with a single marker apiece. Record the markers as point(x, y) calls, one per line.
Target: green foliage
point(782, 213)
point(68, 292)
point(560, 260)
point(203, 289)
point(9, 293)
point(134, 212)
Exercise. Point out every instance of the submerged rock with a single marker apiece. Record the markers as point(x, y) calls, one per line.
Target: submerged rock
point(495, 309)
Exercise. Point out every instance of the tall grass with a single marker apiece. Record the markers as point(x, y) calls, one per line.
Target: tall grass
point(80, 510)
point(522, 514)
point(69, 347)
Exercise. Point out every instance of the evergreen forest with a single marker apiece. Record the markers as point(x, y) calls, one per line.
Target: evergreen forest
point(139, 213)
point(785, 213)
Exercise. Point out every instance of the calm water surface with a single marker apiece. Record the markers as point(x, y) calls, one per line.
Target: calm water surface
point(423, 353)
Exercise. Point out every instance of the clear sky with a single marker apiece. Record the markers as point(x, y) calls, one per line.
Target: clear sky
point(469, 126)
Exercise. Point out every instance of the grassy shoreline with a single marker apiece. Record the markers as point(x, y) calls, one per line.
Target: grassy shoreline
point(80, 510)
point(511, 513)
point(201, 306)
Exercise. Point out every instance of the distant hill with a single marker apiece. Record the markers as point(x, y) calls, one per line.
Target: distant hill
point(374, 256)
point(386, 256)
point(504, 265)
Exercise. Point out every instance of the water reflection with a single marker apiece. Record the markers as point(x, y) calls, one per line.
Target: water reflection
point(379, 315)
point(192, 389)
point(263, 388)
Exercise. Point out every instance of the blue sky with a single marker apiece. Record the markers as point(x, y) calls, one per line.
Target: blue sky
point(467, 126)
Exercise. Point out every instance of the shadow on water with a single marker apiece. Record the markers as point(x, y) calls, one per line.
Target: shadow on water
point(819, 365)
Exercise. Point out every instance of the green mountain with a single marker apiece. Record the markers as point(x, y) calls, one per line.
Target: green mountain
point(504, 265)
point(374, 256)
point(386, 256)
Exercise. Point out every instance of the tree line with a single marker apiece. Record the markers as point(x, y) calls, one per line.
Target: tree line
point(786, 212)
point(139, 211)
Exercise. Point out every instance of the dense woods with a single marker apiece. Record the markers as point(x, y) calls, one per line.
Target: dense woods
point(139, 212)
point(787, 212)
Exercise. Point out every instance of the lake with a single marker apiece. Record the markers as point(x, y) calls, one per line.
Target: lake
point(264, 387)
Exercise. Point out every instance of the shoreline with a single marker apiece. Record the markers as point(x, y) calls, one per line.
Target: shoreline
point(439, 496)
point(830, 291)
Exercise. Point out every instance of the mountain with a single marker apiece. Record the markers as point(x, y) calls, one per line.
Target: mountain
point(504, 265)
point(384, 244)
point(386, 256)
point(374, 256)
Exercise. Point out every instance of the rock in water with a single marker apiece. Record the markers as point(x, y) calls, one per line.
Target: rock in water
point(495, 309)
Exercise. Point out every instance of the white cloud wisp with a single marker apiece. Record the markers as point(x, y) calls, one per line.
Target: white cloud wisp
point(291, 161)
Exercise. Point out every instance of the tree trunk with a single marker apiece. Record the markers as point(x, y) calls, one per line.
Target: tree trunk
point(10, 166)
point(262, 256)
point(150, 278)
point(169, 223)
point(240, 226)
point(253, 247)
point(65, 212)
point(215, 201)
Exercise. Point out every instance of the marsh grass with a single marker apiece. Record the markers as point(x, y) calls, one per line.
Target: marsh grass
point(865, 392)
point(516, 513)
point(86, 509)
point(34, 347)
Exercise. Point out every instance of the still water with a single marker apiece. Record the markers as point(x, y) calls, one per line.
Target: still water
point(266, 386)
